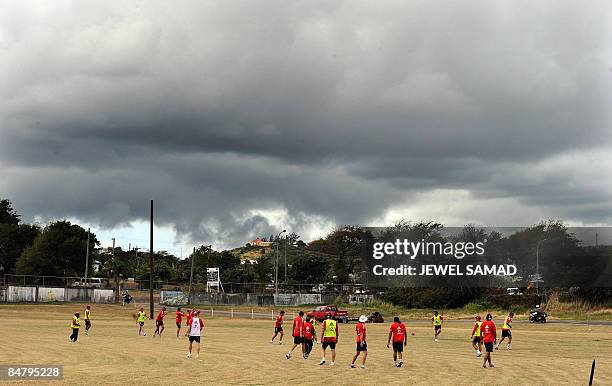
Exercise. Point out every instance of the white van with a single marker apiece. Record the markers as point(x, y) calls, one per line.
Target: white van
point(94, 282)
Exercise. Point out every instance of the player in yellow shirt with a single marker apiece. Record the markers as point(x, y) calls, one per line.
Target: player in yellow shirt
point(476, 338)
point(75, 324)
point(506, 333)
point(436, 320)
point(87, 318)
point(141, 320)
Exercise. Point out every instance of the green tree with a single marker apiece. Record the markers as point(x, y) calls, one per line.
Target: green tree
point(14, 239)
point(59, 250)
point(8, 215)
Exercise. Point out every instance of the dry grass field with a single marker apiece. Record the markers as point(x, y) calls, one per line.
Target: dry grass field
point(237, 351)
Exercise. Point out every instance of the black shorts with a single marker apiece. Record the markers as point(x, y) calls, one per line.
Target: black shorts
point(87, 323)
point(159, 323)
point(476, 340)
point(489, 346)
point(436, 328)
point(194, 338)
point(178, 325)
point(361, 347)
point(331, 345)
point(506, 334)
point(398, 346)
point(141, 324)
point(278, 329)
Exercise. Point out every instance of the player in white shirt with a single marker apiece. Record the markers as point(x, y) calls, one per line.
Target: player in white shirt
point(195, 327)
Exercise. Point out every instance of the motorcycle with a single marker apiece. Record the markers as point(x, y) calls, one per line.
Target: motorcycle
point(537, 316)
point(127, 298)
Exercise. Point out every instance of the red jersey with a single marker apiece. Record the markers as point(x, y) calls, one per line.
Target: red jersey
point(488, 331)
point(179, 316)
point(360, 329)
point(190, 316)
point(297, 326)
point(279, 321)
point(161, 315)
point(399, 332)
point(308, 331)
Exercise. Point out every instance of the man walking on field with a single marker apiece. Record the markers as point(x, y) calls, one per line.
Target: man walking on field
point(195, 327)
point(141, 321)
point(278, 327)
point(437, 320)
point(309, 335)
point(75, 324)
point(397, 331)
point(87, 319)
point(298, 334)
point(159, 322)
point(330, 335)
point(506, 333)
point(179, 319)
point(362, 346)
point(476, 339)
point(489, 337)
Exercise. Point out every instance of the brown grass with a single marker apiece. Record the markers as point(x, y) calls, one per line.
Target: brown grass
point(237, 352)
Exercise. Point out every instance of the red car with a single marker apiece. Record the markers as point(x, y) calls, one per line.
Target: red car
point(321, 313)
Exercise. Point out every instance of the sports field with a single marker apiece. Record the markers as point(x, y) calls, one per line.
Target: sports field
point(238, 351)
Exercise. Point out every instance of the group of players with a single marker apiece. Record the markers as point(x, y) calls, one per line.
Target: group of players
point(304, 335)
point(194, 325)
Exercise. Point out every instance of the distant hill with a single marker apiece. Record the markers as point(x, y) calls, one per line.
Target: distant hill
point(252, 252)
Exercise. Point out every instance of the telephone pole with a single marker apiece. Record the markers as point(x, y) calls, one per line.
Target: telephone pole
point(151, 308)
point(87, 259)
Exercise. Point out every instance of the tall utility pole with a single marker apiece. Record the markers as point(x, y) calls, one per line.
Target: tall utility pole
point(276, 267)
point(538, 264)
point(114, 265)
point(151, 309)
point(87, 259)
point(286, 259)
point(191, 275)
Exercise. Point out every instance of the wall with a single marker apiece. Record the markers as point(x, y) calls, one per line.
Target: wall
point(17, 294)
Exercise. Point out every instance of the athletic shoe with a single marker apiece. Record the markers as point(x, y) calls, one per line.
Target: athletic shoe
point(491, 365)
point(484, 366)
point(497, 346)
point(399, 364)
point(288, 355)
point(331, 364)
point(435, 340)
point(322, 362)
point(189, 355)
point(478, 353)
point(353, 366)
point(509, 347)
point(280, 342)
point(363, 367)
point(271, 342)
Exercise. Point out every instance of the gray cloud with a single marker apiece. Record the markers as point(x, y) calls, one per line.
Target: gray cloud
point(331, 112)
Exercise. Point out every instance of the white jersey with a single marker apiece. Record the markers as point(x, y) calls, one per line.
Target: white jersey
point(195, 327)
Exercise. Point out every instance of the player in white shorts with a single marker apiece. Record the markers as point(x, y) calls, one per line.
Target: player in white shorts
point(195, 327)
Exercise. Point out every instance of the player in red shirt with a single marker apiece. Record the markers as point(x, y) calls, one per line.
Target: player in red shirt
point(159, 322)
point(488, 331)
point(190, 315)
point(397, 331)
point(309, 334)
point(179, 319)
point(278, 327)
point(298, 334)
point(362, 346)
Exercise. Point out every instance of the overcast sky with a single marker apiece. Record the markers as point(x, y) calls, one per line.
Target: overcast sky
point(241, 118)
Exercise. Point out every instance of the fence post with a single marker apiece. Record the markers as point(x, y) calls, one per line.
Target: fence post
point(272, 314)
point(232, 313)
point(252, 316)
point(212, 312)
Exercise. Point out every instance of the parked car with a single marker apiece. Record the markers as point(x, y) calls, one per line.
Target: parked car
point(94, 282)
point(321, 313)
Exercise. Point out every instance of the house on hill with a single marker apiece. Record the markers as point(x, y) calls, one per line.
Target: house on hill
point(260, 243)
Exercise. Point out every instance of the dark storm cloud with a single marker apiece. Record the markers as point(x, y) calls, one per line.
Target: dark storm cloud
point(333, 112)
